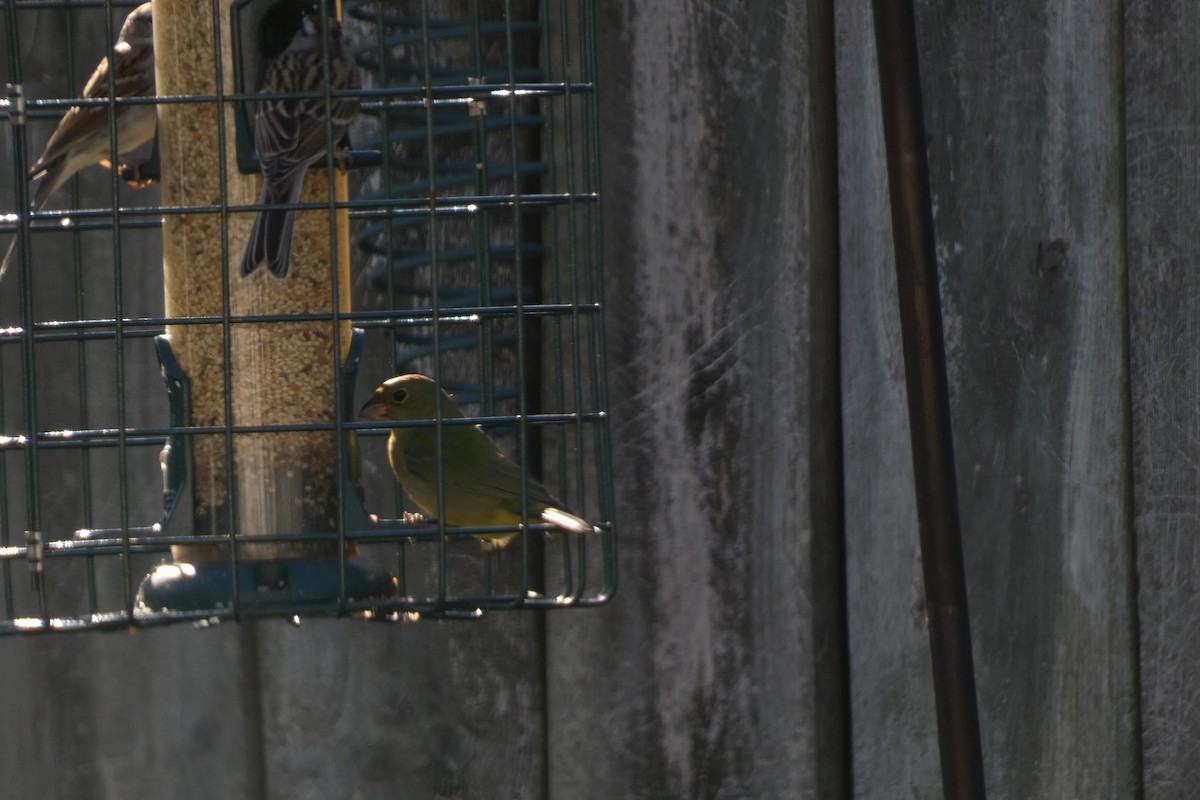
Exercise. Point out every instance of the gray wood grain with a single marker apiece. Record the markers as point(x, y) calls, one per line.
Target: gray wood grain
point(1163, 120)
point(438, 710)
point(707, 676)
point(1023, 112)
point(119, 715)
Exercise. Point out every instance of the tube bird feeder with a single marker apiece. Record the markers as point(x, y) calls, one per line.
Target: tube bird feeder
point(262, 355)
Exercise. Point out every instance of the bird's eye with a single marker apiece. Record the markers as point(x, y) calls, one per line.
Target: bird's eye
point(399, 395)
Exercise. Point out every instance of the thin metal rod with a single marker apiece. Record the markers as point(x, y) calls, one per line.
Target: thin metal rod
point(928, 401)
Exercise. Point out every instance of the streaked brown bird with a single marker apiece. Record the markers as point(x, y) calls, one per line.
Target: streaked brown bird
point(82, 136)
point(290, 134)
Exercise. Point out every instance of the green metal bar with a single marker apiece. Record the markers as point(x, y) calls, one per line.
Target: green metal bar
point(224, 208)
point(111, 29)
point(434, 264)
point(16, 121)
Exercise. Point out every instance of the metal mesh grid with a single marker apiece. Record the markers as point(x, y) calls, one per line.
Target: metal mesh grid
point(474, 210)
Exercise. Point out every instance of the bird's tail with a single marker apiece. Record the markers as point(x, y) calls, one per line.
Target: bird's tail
point(567, 521)
point(50, 178)
point(271, 237)
point(38, 202)
point(8, 256)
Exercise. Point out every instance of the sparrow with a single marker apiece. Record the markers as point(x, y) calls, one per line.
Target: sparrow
point(82, 136)
point(290, 134)
point(480, 487)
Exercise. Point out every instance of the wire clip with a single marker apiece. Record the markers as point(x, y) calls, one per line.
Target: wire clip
point(15, 103)
point(475, 106)
point(35, 554)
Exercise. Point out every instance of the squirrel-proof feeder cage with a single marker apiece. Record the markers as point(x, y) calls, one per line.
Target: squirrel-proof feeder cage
point(439, 164)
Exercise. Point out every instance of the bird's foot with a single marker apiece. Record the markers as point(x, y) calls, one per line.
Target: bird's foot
point(131, 173)
point(342, 159)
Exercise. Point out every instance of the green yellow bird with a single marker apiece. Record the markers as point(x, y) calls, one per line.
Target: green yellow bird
point(481, 488)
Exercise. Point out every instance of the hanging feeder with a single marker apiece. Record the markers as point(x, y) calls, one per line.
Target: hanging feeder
point(277, 498)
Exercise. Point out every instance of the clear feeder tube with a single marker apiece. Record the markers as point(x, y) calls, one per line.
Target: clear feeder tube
point(279, 372)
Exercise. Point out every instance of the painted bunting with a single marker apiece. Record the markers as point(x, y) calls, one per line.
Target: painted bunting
point(481, 487)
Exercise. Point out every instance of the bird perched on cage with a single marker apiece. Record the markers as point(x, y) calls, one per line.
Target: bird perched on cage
point(82, 136)
point(290, 134)
point(481, 488)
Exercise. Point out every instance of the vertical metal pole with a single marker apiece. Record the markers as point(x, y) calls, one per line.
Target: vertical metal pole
point(928, 400)
point(16, 119)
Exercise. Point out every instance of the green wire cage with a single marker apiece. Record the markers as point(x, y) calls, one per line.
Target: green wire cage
point(180, 441)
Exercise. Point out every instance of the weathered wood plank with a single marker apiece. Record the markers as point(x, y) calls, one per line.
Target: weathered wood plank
point(716, 671)
point(113, 715)
point(894, 740)
point(438, 710)
point(1023, 111)
point(1163, 138)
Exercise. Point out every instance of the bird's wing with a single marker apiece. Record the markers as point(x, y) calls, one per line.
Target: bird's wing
point(474, 463)
point(289, 132)
point(276, 131)
point(501, 477)
point(134, 75)
point(460, 446)
point(134, 78)
point(502, 481)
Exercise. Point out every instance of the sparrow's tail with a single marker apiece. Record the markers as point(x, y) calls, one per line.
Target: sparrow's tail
point(271, 237)
point(38, 202)
point(8, 256)
point(51, 177)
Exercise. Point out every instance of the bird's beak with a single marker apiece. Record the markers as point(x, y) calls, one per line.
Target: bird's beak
point(375, 408)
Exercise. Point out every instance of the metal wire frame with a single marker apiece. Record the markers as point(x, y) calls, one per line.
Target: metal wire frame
point(567, 356)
